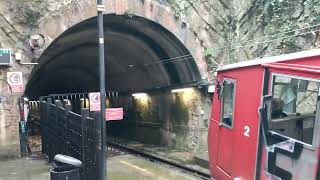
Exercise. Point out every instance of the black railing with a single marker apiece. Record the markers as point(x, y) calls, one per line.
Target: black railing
point(69, 133)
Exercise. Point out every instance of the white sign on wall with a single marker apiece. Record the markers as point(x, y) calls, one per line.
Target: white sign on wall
point(15, 80)
point(94, 101)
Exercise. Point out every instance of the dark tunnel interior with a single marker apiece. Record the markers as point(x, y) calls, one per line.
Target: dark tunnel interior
point(141, 55)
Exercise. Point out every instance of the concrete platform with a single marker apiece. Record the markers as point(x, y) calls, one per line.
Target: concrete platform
point(31, 168)
point(129, 167)
point(121, 167)
point(197, 161)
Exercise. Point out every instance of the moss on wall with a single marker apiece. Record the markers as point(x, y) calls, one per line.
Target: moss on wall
point(237, 30)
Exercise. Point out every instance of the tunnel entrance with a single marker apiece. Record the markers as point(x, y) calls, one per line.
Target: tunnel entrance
point(150, 73)
point(141, 55)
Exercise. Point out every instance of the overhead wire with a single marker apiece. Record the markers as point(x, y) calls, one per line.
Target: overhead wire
point(236, 46)
point(268, 41)
point(169, 60)
point(273, 35)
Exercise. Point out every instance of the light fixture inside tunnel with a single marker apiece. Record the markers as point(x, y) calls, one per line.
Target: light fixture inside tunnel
point(142, 99)
point(182, 90)
point(140, 95)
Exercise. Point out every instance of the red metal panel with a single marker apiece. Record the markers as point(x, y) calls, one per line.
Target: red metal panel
point(244, 148)
point(248, 96)
point(249, 90)
point(213, 144)
point(225, 148)
point(311, 61)
point(293, 67)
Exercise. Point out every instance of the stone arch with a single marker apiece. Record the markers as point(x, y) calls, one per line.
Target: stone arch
point(75, 12)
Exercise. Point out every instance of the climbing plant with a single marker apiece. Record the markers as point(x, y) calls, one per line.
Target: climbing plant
point(281, 16)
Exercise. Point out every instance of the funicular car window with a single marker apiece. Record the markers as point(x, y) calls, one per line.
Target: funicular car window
point(294, 106)
point(227, 107)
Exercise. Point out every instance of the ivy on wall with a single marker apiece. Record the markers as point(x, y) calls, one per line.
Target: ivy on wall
point(28, 12)
point(280, 16)
point(243, 30)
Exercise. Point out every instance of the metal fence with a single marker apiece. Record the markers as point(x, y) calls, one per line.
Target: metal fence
point(69, 133)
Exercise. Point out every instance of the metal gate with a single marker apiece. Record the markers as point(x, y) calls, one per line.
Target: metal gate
point(69, 133)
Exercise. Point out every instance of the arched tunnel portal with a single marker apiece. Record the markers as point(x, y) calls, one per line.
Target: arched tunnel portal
point(140, 55)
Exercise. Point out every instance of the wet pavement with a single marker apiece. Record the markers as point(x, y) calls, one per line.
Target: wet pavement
point(122, 167)
point(31, 168)
point(129, 167)
point(197, 161)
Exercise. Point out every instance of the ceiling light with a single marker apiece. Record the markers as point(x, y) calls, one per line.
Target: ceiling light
point(139, 94)
point(182, 90)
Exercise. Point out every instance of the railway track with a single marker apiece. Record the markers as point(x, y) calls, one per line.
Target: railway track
point(120, 149)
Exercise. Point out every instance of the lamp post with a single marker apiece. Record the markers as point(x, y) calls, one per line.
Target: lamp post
point(102, 124)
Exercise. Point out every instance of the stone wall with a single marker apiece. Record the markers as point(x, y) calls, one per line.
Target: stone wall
point(176, 120)
point(238, 30)
point(222, 31)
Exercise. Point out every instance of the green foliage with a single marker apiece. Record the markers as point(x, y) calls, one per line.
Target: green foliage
point(209, 53)
point(314, 7)
point(129, 13)
point(180, 8)
point(282, 16)
point(28, 12)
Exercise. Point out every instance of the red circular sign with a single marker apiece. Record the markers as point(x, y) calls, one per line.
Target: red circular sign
point(95, 98)
point(15, 78)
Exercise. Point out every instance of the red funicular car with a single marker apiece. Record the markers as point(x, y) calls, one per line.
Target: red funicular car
point(265, 121)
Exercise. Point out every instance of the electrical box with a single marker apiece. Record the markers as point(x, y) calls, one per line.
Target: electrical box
point(5, 57)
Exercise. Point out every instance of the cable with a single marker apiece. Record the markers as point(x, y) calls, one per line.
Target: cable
point(189, 56)
point(233, 46)
point(287, 32)
point(167, 60)
point(263, 42)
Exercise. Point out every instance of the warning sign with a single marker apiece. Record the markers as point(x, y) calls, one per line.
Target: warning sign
point(94, 101)
point(15, 81)
point(114, 114)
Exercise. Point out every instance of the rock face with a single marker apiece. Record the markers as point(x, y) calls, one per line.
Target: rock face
point(228, 30)
point(234, 30)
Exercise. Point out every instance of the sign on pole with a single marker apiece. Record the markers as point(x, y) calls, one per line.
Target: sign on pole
point(5, 56)
point(114, 114)
point(94, 101)
point(15, 81)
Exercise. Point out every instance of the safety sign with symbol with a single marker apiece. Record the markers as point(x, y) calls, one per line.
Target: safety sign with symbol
point(94, 101)
point(15, 81)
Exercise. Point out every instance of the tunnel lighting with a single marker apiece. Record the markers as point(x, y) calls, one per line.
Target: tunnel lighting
point(139, 94)
point(182, 90)
point(141, 99)
point(211, 88)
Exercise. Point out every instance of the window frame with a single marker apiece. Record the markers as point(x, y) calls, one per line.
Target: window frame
point(221, 123)
point(310, 146)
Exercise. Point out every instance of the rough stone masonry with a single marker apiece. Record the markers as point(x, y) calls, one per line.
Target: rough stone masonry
point(219, 32)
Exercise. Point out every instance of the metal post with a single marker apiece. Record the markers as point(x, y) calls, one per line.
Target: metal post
point(102, 125)
point(22, 128)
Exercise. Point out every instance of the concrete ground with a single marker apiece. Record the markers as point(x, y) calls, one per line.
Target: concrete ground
point(197, 161)
point(122, 167)
point(24, 169)
point(35, 167)
point(129, 167)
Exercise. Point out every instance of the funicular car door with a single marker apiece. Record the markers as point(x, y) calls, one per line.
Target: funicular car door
point(226, 125)
point(293, 127)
